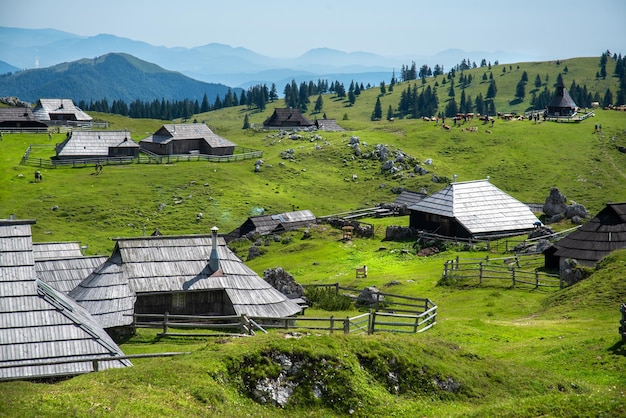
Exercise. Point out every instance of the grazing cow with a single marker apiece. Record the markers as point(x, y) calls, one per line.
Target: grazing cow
point(38, 176)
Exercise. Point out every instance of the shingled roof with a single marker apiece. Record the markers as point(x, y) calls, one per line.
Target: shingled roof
point(62, 264)
point(94, 144)
point(19, 117)
point(480, 207)
point(287, 118)
point(175, 132)
point(603, 234)
point(561, 101)
point(39, 324)
point(59, 109)
point(171, 264)
point(268, 224)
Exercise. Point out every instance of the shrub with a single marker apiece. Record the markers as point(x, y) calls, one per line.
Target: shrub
point(327, 299)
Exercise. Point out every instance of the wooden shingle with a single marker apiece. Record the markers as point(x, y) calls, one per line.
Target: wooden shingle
point(40, 325)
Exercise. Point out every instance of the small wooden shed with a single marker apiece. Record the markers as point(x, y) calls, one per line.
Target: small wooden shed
point(178, 139)
point(185, 275)
point(95, 144)
point(287, 118)
point(472, 209)
point(273, 224)
point(43, 333)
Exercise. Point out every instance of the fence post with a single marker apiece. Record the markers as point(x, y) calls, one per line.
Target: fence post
point(480, 272)
point(370, 331)
point(536, 278)
point(346, 325)
point(165, 322)
point(332, 323)
point(457, 262)
point(336, 288)
point(445, 270)
point(377, 301)
point(513, 275)
point(95, 365)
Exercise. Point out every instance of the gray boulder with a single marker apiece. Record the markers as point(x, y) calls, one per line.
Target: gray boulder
point(555, 203)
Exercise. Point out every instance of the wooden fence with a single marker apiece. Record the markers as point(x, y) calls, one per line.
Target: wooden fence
point(240, 154)
point(622, 328)
point(233, 325)
point(518, 270)
point(95, 361)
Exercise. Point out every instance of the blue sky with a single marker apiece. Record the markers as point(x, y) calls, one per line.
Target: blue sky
point(544, 29)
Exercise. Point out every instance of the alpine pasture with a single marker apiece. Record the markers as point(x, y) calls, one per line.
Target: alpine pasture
point(495, 350)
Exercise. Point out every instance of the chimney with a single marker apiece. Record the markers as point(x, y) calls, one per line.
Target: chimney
point(454, 177)
point(214, 260)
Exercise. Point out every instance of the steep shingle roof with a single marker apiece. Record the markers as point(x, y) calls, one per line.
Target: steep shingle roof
point(603, 234)
point(480, 207)
point(39, 324)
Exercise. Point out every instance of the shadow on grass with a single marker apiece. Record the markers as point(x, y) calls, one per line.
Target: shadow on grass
point(619, 349)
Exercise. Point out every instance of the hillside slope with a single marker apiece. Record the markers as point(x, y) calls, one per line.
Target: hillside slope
point(111, 76)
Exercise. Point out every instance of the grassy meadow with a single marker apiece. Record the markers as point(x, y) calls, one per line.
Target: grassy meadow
point(495, 351)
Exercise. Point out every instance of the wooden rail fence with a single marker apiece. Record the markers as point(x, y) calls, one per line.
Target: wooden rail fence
point(518, 270)
point(240, 154)
point(233, 325)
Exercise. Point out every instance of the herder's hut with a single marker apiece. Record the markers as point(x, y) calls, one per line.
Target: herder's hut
point(97, 144)
point(20, 118)
point(286, 118)
point(62, 265)
point(562, 104)
point(603, 234)
point(185, 275)
point(187, 139)
point(43, 333)
point(472, 209)
point(52, 110)
point(273, 224)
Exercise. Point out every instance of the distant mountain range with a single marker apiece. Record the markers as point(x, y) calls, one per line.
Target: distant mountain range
point(112, 76)
point(221, 64)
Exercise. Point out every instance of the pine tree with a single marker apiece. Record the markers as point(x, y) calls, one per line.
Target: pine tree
point(273, 93)
point(377, 114)
point(204, 107)
point(246, 122)
point(319, 104)
point(537, 81)
point(389, 113)
point(520, 90)
point(492, 90)
point(383, 89)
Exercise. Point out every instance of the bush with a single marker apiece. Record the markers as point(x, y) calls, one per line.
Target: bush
point(327, 299)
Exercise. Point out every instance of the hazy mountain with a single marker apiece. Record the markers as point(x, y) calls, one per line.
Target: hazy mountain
point(111, 76)
point(215, 63)
point(7, 68)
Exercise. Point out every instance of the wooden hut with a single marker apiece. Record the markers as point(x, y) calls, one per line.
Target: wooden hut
point(603, 234)
point(62, 265)
point(273, 224)
point(472, 209)
point(178, 139)
point(43, 333)
point(287, 118)
point(20, 118)
point(186, 275)
point(328, 125)
point(52, 110)
point(562, 104)
point(97, 144)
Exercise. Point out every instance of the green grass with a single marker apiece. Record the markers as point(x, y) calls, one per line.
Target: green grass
point(514, 351)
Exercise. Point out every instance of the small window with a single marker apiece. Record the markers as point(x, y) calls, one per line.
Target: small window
point(178, 300)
